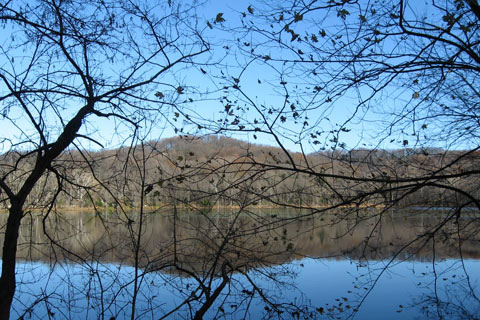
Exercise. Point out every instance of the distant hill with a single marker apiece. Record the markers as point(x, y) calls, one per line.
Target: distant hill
point(221, 171)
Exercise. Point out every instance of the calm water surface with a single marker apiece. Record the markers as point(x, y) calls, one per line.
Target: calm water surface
point(277, 267)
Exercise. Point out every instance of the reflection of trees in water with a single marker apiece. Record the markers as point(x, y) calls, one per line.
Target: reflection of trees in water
point(255, 237)
point(409, 290)
point(451, 293)
point(218, 259)
point(382, 70)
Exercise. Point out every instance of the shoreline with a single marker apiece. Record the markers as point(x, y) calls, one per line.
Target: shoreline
point(150, 209)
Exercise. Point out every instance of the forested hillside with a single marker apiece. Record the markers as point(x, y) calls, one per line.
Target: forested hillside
point(220, 171)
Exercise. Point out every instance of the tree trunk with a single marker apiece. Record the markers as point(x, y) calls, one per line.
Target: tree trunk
point(211, 299)
point(7, 279)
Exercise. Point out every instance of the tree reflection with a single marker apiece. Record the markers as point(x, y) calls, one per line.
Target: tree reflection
point(228, 264)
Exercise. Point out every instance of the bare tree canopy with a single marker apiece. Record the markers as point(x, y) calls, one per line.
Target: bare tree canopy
point(408, 67)
point(358, 107)
point(68, 63)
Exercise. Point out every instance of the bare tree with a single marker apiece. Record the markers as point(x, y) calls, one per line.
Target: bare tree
point(67, 63)
point(342, 80)
point(397, 74)
point(403, 76)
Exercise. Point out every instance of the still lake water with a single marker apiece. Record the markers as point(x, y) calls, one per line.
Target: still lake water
point(273, 265)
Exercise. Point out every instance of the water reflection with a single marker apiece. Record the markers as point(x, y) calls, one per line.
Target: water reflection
point(254, 238)
point(266, 263)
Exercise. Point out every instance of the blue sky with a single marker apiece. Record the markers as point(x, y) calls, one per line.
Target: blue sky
point(261, 87)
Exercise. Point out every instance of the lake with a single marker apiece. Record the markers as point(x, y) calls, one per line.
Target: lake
point(271, 264)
